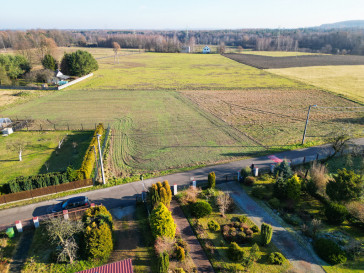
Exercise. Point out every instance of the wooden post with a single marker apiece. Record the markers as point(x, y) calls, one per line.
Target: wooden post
point(40, 125)
point(68, 126)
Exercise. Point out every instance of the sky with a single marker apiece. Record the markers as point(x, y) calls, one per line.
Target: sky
point(172, 14)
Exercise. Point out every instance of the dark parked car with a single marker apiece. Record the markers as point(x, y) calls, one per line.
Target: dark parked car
point(74, 202)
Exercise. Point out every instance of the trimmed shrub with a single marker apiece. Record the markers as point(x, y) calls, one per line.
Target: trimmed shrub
point(240, 219)
point(160, 193)
point(280, 189)
point(98, 242)
point(99, 215)
point(179, 270)
point(163, 263)
point(329, 251)
point(276, 258)
point(249, 180)
point(335, 213)
point(311, 187)
point(200, 209)
point(245, 172)
point(161, 222)
point(236, 253)
point(274, 203)
point(211, 179)
point(213, 225)
point(180, 254)
point(266, 234)
point(293, 188)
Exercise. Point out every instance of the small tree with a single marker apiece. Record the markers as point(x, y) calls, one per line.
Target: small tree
point(49, 62)
point(98, 241)
point(161, 222)
point(18, 146)
point(223, 201)
point(62, 233)
point(78, 63)
point(211, 180)
point(340, 139)
point(283, 169)
point(293, 188)
point(346, 186)
point(116, 48)
point(266, 234)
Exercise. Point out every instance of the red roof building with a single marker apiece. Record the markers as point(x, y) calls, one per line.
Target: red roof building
point(125, 266)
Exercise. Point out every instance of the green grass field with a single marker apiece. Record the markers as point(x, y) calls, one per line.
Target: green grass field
point(155, 130)
point(279, 53)
point(173, 71)
point(40, 151)
point(347, 81)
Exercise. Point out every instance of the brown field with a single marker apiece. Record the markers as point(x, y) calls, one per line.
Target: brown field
point(266, 62)
point(277, 117)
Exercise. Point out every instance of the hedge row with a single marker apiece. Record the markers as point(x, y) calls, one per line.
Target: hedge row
point(89, 159)
point(25, 183)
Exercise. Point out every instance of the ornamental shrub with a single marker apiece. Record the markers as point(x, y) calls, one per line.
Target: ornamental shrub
point(236, 253)
point(255, 228)
point(213, 225)
point(78, 63)
point(274, 203)
point(179, 270)
point(280, 189)
point(311, 187)
point(161, 222)
point(293, 188)
point(160, 192)
point(49, 62)
point(329, 251)
point(98, 215)
point(335, 213)
point(200, 209)
point(276, 258)
point(98, 242)
point(283, 169)
point(259, 191)
point(245, 172)
point(345, 186)
point(163, 262)
point(266, 234)
point(211, 179)
point(180, 254)
point(249, 180)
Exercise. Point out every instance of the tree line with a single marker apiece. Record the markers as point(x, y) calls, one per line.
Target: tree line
point(334, 41)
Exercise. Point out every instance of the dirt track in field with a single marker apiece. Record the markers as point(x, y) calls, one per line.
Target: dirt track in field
point(265, 62)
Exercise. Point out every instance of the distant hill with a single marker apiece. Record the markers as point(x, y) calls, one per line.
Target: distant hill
point(345, 24)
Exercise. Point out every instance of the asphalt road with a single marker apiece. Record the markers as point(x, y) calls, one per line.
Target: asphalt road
point(125, 195)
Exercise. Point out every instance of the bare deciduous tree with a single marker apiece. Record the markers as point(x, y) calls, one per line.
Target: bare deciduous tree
point(340, 140)
point(62, 233)
point(17, 146)
point(223, 201)
point(116, 48)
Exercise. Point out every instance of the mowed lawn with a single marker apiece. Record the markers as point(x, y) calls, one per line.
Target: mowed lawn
point(347, 81)
point(174, 71)
point(277, 117)
point(40, 150)
point(152, 130)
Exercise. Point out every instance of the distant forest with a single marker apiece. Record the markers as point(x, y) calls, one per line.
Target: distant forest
point(334, 41)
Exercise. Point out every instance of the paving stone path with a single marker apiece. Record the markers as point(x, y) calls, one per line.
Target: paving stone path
point(196, 252)
point(303, 260)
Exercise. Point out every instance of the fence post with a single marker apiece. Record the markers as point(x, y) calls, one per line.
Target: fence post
point(19, 226)
point(68, 126)
point(54, 127)
point(65, 215)
point(174, 189)
point(26, 122)
point(40, 125)
point(36, 222)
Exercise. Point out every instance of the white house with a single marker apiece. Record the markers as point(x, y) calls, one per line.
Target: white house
point(206, 50)
point(4, 122)
point(59, 78)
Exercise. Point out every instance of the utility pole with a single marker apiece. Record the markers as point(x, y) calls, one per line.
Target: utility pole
point(102, 165)
point(308, 116)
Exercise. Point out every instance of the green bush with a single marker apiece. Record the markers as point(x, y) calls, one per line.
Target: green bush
point(276, 258)
point(280, 189)
point(245, 172)
point(213, 225)
point(179, 270)
point(98, 215)
point(160, 193)
point(211, 179)
point(345, 186)
point(15, 65)
point(329, 251)
point(293, 188)
point(236, 253)
point(310, 187)
point(161, 222)
point(240, 219)
point(163, 262)
point(259, 191)
point(274, 203)
point(78, 63)
point(266, 234)
point(335, 213)
point(180, 254)
point(200, 209)
point(98, 242)
point(49, 62)
point(249, 180)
